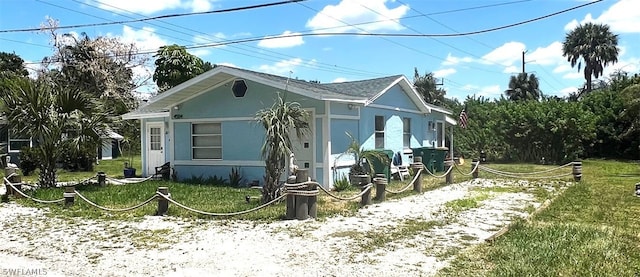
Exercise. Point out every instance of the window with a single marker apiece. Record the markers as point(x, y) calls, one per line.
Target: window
point(406, 132)
point(379, 131)
point(17, 142)
point(206, 141)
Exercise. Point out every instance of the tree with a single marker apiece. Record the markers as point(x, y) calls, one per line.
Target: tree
point(10, 62)
point(427, 86)
point(54, 116)
point(523, 86)
point(363, 159)
point(174, 65)
point(279, 121)
point(595, 45)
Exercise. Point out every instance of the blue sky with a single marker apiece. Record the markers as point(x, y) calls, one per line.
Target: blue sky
point(479, 64)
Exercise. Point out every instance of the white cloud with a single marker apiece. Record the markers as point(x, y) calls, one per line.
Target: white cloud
point(228, 64)
point(444, 72)
point(493, 91)
point(452, 60)
point(562, 68)
point(145, 39)
point(339, 80)
point(573, 75)
point(144, 7)
point(550, 55)
point(506, 54)
point(622, 17)
point(511, 69)
point(200, 5)
point(353, 12)
point(286, 40)
point(568, 90)
point(283, 67)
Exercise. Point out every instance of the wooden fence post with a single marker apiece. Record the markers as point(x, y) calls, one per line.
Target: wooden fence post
point(381, 186)
point(313, 201)
point(448, 164)
point(69, 195)
point(163, 204)
point(102, 179)
point(577, 171)
point(302, 202)
point(474, 167)
point(365, 181)
point(417, 165)
point(291, 200)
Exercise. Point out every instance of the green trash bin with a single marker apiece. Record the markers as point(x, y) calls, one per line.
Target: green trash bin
point(428, 156)
point(383, 167)
point(440, 156)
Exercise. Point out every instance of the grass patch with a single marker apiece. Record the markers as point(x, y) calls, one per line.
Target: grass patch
point(460, 205)
point(589, 230)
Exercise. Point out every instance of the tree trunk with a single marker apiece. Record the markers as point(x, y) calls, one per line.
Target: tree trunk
point(272, 172)
point(47, 176)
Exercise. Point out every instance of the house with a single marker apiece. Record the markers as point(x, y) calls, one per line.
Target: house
point(206, 126)
point(110, 148)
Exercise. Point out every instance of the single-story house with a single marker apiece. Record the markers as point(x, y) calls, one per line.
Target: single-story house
point(110, 146)
point(205, 126)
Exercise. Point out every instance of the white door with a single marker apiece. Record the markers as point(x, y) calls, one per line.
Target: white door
point(155, 147)
point(303, 148)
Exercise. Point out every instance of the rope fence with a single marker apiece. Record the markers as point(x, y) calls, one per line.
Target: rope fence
point(301, 192)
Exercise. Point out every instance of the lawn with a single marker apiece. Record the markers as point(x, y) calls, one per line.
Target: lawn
point(593, 229)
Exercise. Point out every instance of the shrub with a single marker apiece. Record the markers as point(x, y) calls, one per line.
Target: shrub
point(28, 160)
point(235, 179)
point(342, 183)
point(79, 160)
point(211, 181)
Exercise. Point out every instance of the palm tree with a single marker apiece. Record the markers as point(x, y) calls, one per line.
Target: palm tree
point(278, 121)
point(363, 159)
point(54, 117)
point(427, 87)
point(593, 44)
point(523, 86)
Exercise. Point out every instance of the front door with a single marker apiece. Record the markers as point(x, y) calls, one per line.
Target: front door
point(302, 148)
point(154, 146)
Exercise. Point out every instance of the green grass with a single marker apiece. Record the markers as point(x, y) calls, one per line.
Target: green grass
point(468, 203)
point(589, 230)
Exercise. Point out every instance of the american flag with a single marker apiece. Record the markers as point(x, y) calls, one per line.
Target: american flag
point(463, 118)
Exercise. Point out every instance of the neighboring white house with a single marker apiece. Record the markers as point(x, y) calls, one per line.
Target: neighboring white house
point(206, 126)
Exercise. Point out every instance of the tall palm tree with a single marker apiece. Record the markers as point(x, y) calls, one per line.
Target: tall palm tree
point(427, 86)
point(55, 117)
point(593, 44)
point(278, 122)
point(523, 86)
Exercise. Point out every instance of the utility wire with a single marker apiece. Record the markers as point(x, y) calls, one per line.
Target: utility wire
point(157, 17)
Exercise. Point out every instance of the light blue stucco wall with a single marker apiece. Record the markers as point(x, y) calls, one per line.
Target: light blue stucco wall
point(242, 136)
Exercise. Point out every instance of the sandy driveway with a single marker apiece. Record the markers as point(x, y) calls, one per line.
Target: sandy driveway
point(412, 236)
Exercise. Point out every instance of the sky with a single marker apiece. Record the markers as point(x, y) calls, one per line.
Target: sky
point(330, 49)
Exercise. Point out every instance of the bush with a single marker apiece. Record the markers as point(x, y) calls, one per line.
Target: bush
point(79, 160)
point(235, 179)
point(28, 160)
point(342, 183)
point(211, 181)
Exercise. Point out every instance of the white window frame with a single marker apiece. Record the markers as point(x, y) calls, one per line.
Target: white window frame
point(193, 147)
point(376, 131)
point(9, 140)
point(406, 133)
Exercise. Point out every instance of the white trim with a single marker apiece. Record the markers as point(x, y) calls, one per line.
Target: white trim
point(214, 119)
point(149, 125)
point(349, 117)
point(313, 141)
point(207, 89)
point(450, 120)
point(145, 115)
point(326, 142)
point(380, 93)
point(220, 162)
point(385, 107)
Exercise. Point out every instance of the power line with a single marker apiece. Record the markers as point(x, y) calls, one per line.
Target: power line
point(158, 17)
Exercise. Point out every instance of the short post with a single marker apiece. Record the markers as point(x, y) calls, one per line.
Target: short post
point(102, 179)
point(313, 201)
point(417, 166)
point(163, 204)
point(577, 171)
point(302, 202)
point(291, 202)
point(381, 186)
point(474, 167)
point(365, 189)
point(16, 181)
point(69, 195)
point(447, 166)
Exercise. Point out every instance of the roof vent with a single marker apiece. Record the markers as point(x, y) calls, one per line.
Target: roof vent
point(239, 88)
